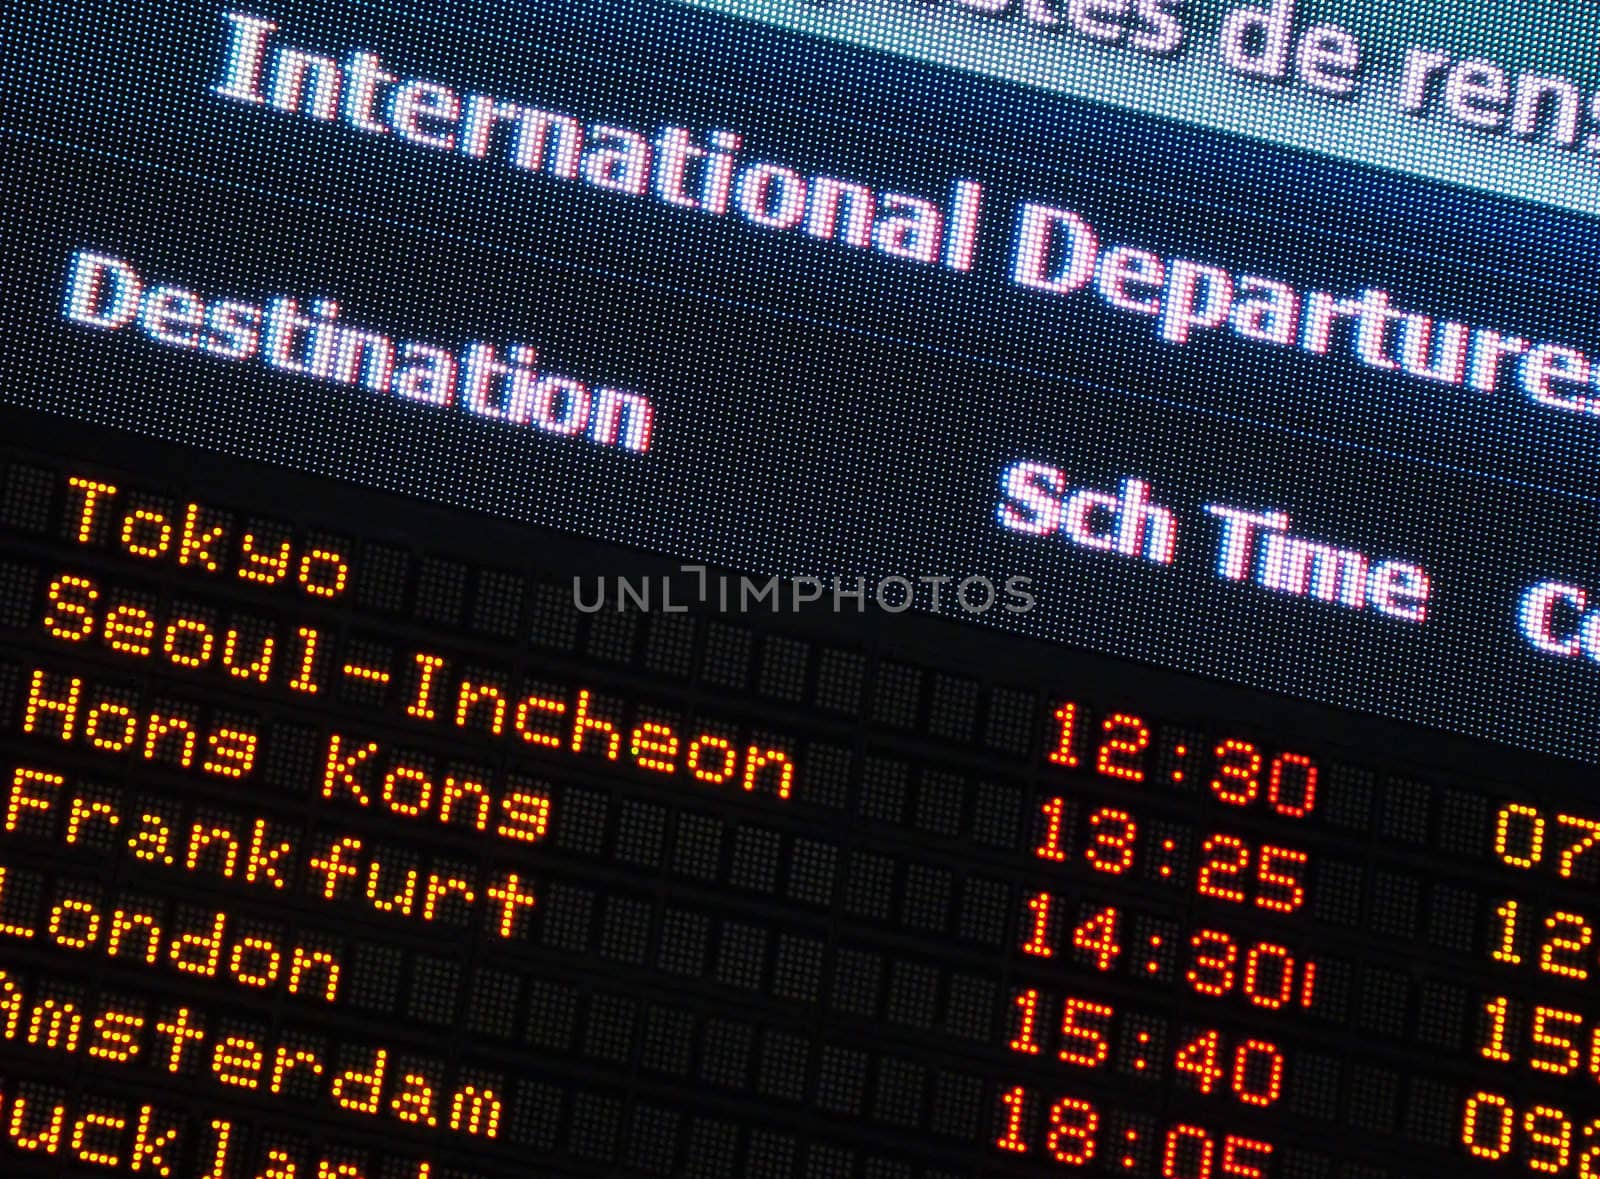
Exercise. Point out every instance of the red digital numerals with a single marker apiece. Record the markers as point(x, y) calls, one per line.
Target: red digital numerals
point(1109, 844)
point(1071, 1132)
point(1076, 1031)
point(1079, 1031)
point(1269, 877)
point(1096, 939)
point(1238, 772)
point(1266, 975)
point(1109, 838)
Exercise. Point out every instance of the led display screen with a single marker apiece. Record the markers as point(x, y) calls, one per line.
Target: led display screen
point(854, 588)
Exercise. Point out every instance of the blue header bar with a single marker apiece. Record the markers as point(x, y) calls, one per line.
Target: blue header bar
point(1268, 72)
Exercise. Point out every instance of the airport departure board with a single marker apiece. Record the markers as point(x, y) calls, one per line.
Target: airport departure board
point(736, 588)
